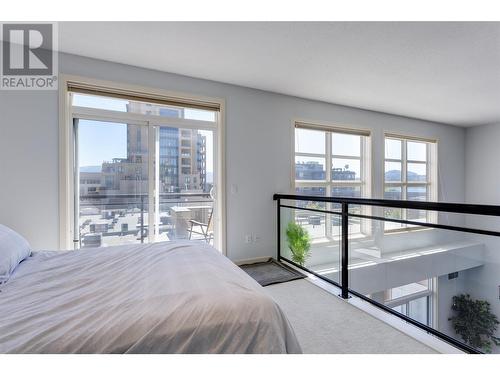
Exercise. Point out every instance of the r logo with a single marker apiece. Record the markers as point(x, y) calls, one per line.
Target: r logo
point(27, 49)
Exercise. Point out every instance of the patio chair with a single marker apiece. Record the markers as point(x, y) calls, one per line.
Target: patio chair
point(204, 229)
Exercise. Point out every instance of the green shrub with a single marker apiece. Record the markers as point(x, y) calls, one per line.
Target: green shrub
point(474, 322)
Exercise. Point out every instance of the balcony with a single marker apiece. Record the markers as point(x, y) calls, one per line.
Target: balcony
point(111, 220)
point(431, 273)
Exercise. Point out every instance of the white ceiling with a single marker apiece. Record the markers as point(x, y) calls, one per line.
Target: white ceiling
point(445, 72)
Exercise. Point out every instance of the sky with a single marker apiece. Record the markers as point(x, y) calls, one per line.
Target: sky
point(102, 141)
point(313, 141)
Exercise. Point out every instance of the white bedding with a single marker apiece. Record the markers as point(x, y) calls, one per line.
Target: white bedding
point(171, 297)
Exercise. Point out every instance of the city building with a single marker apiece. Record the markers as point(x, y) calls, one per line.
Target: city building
point(182, 151)
point(182, 155)
point(90, 183)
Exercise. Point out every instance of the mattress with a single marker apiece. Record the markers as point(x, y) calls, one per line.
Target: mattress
point(170, 297)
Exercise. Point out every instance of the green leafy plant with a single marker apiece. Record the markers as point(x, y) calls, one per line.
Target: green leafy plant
point(299, 242)
point(474, 322)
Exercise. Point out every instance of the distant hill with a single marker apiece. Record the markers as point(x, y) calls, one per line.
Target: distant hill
point(91, 168)
point(393, 175)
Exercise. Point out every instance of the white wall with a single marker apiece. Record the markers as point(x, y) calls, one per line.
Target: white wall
point(29, 165)
point(258, 151)
point(483, 186)
point(482, 164)
point(446, 290)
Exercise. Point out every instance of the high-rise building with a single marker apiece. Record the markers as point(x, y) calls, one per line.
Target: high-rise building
point(182, 151)
point(182, 158)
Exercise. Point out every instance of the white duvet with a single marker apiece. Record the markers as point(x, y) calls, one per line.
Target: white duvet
point(171, 297)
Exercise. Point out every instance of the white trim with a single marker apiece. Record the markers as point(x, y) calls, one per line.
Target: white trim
point(292, 156)
point(409, 183)
point(76, 183)
point(335, 156)
point(328, 177)
point(65, 167)
point(66, 188)
point(408, 298)
point(323, 183)
point(310, 155)
point(153, 188)
point(115, 116)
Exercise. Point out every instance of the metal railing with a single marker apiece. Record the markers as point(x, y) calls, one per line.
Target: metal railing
point(139, 201)
point(344, 214)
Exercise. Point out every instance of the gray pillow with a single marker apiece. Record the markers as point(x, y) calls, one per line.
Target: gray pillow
point(13, 250)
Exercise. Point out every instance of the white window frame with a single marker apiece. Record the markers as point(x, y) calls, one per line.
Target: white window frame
point(68, 187)
point(365, 158)
point(432, 301)
point(431, 173)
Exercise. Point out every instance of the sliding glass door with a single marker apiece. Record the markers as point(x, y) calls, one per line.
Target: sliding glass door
point(145, 178)
point(186, 184)
point(113, 183)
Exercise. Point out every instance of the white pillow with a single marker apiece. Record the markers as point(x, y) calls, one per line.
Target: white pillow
point(13, 250)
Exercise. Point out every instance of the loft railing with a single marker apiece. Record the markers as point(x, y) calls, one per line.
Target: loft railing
point(339, 208)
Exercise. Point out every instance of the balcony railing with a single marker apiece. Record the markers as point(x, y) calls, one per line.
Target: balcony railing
point(426, 273)
point(106, 220)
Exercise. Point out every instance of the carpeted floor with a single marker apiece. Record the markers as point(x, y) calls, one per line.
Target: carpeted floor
point(325, 324)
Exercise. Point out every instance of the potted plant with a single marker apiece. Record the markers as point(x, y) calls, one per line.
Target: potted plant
point(299, 242)
point(474, 322)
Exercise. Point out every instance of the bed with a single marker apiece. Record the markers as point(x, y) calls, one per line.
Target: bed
point(171, 297)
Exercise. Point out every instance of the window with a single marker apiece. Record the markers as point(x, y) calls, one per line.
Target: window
point(414, 300)
point(110, 103)
point(132, 154)
point(330, 162)
point(409, 174)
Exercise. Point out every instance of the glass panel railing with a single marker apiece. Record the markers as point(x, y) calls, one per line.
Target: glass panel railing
point(426, 274)
point(311, 239)
point(113, 220)
point(189, 217)
point(440, 274)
